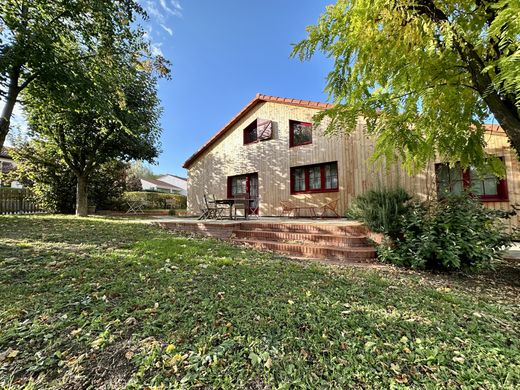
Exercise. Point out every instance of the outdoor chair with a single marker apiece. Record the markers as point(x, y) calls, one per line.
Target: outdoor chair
point(330, 207)
point(253, 207)
point(214, 210)
point(241, 203)
point(288, 208)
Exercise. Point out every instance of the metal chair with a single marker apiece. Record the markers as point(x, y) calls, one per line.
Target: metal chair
point(214, 210)
point(241, 203)
point(331, 207)
point(287, 208)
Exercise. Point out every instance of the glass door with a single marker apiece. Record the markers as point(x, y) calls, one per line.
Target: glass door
point(245, 184)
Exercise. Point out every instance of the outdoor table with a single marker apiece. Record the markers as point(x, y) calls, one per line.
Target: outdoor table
point(229, 202)
point(135, 207)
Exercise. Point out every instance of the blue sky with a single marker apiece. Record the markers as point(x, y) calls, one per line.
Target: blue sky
point(223, 53)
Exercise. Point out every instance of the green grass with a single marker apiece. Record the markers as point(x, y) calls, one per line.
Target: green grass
point(107, 303)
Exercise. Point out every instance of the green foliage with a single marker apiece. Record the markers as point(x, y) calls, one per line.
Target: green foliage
point(39, 41)
point(54, 184)
point(425, 75)
point(450, 234)
point(106, 303)
point(381, 209)
point(157, 199)
point(113, 114)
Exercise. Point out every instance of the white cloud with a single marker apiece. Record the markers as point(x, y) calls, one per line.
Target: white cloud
point(167, 29)
point(156, 49)
point(173, 7)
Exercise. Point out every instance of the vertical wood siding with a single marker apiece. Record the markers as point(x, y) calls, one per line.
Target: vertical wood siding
point(272, 159)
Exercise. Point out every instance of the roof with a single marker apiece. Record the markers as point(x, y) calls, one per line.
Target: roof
point(178, 177)
point(493, 128)
point(259, 98)
point(161, 184)
point(4, 152)
point(274, 99)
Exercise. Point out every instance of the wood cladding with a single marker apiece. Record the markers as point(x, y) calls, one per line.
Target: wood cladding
point(272, 159)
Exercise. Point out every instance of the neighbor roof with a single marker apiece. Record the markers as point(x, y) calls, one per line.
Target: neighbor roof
point(4, 152)
point(178, 177)
point(258, 99)
point(161, 184)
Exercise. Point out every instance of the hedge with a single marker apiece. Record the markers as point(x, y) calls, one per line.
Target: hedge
point(154, 200)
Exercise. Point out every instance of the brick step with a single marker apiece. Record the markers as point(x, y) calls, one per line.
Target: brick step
point(357, 254)
point(303, 238)
point(354, 229)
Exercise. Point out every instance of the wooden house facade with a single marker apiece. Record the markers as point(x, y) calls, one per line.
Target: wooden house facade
point(270, 151)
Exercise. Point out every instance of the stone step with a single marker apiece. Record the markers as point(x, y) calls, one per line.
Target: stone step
point(302, 238)
point(354, 229)
point(355, 254)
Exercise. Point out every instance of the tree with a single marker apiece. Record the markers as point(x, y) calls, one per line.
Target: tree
point(39, 167)
point(36, 37)
point(424, 73)
point(105, 107)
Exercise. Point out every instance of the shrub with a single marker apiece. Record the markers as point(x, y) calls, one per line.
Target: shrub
point(154, 200)
point(449, 234)
point(380, 210)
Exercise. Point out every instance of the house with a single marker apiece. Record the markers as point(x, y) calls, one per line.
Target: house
point(158, 185)
point(177, 181)
point(271, 151)
point(7, 164)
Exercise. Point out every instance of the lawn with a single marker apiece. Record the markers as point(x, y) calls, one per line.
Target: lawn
point(108, 303)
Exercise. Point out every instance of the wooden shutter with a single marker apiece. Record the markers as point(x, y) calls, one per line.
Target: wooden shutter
point(264, 129)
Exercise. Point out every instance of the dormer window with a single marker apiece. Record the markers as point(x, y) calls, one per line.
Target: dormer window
point(259, 130)
point(300, 133)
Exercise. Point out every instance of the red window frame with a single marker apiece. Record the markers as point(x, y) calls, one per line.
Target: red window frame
point(307, 169)
point(252, 125)
point(502, 192)
point(291, 133)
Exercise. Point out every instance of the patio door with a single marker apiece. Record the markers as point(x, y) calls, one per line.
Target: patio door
point(245, 185)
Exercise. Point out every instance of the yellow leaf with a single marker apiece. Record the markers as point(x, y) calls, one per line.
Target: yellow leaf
point(13, 353)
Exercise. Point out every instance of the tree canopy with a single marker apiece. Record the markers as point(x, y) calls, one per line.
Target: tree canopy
point(103, 108)
point(39, 40)
point(424, 73)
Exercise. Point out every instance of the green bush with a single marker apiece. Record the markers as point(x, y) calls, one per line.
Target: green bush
point(157, 200)
point(380, 210)
point(453, 233)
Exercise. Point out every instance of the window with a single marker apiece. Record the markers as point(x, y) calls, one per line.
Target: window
point(259, 130)
point(455, 180)
point(300, 133)
point(315, 178)
point(250, 134)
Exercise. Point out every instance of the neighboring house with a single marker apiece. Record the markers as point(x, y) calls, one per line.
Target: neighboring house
point(271, 151)
point(7, 165)
point(177, 181)
point(158, 185)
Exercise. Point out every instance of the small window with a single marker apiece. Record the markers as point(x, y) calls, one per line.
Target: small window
point(455, 180)
point(250, 134)
point(300, 133)
point(315, 178)
point(259, 130)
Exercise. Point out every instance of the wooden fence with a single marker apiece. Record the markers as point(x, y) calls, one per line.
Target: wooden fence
point(18, 201)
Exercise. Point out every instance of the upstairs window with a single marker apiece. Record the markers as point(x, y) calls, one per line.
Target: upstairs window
point(259, 130)
point(314, 178)
point(300, 133)
point(455, 180)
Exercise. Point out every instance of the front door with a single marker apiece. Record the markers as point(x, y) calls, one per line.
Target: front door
point(245, 184)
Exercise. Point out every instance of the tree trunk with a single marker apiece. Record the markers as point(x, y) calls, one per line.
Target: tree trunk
point(81, 195)
point(507, 116)
point(7, 111)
